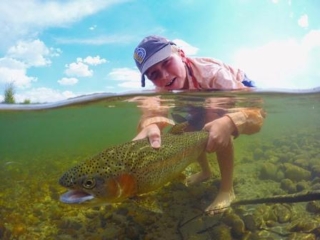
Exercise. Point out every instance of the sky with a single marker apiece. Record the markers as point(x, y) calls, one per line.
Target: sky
point(54, 50)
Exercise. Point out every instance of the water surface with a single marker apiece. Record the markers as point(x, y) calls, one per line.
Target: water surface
point(39, 142)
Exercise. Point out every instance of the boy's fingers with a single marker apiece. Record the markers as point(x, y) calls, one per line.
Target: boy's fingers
point(155, 138)
point(156, 143)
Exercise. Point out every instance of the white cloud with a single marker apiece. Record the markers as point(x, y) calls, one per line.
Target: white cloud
point(99, 40)
point(13, 71)
point(311, 41)
point(131, 85)
point(124, 74)
point(94, 60)
point(127, 78)
point(303, 21)
point(32, 53)
point(20, 57)
point(26, 18)
point(68, 81)
point(78, 69)
point(8, 62)
point(42, 95)
point(186, 47)
point(93, 27)
point(291, 64)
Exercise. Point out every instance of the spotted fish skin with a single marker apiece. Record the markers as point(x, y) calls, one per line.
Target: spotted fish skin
point(132, 168)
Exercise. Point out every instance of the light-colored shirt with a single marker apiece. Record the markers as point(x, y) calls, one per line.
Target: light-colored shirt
point(210, 73)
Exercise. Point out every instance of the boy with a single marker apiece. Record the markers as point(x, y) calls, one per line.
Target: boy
point(167, 67)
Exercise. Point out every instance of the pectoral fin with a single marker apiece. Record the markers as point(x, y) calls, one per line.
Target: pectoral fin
point(149, 203)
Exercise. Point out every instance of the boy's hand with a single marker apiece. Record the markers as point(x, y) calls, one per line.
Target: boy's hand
point(220, 131)
point(153, 133)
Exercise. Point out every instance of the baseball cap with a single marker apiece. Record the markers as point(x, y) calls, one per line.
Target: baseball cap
point(150, 51)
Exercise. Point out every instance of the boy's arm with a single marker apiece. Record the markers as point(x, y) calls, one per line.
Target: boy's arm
point(247, 120)
point(244, 121)
point(160, 121)
point(153, 112)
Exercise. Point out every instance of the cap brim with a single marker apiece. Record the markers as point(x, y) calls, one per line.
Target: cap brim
point(156, 58)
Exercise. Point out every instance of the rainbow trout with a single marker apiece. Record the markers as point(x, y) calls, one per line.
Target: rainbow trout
point(131, 169)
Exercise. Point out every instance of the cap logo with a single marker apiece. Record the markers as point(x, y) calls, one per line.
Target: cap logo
point(139, 54)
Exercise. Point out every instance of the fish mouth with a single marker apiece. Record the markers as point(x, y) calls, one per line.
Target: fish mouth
point(171, 82)
point(75, 196)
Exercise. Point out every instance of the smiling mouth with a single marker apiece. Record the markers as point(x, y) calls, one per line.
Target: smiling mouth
point(170, 83)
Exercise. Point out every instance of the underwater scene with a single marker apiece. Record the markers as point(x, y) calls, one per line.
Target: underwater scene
point(276, 173)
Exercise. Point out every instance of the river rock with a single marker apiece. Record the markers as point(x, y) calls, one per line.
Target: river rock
point(316, 180)
point(302, 162)
point(288, 185)
point(221, 232)
point(283, 212)
point(313, 206)
point(296, 173)
point(302, 225)
point(316, 187)
point(258, 153)
point(263, 214)
point(301, 236)
point(269, 171)
point(301, 186)
point(315, 170)
point(249, 222)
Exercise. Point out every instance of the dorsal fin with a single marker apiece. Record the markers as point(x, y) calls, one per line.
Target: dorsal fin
point(178, 118)
point(179, 128)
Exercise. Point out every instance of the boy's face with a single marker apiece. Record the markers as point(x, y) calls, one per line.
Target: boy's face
point(169, 73)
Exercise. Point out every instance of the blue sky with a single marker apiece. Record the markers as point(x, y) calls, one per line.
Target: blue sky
point(53, 50)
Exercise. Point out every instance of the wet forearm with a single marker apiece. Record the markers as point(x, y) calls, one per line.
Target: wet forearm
point(153, 112)
point(247, 121)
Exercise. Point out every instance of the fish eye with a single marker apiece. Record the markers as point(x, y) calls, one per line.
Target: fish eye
point(89, 183)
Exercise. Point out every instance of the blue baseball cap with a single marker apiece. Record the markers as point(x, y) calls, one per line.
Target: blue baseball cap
point(150, 51)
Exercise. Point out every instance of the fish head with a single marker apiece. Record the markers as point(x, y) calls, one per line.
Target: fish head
point(84, 189)
point(90, 186)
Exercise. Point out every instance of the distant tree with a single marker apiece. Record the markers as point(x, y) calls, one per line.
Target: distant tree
point(9, 92)
point(27, 101)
